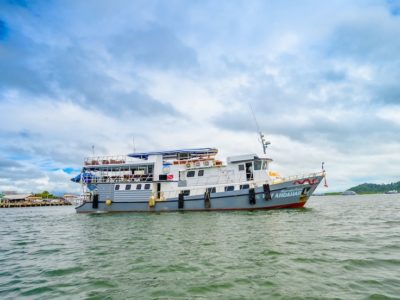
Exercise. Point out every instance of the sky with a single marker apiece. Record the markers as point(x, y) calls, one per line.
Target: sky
point(323, 78)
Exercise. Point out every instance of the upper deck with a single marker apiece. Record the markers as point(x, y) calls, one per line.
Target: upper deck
point(180, 154)
point(177, 166)
point(107, 160)
point(137, 158)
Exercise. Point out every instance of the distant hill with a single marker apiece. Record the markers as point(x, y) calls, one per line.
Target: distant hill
point(371, 188)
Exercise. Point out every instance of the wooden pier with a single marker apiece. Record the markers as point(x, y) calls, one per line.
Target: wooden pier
point(11, 204)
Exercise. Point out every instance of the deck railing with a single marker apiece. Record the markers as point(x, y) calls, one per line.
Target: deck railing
point(296, 177)
point(116, 178)
point(106, 160)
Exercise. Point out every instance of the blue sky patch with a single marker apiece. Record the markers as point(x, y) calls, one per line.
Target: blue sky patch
point(3, 30)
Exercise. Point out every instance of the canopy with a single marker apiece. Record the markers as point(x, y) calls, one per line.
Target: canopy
point(174, 154)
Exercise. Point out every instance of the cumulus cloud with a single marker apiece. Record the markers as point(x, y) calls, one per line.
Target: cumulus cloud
point(321, 77)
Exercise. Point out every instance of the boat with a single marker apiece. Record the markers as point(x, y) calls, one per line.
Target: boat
point(392, 192)
point(189, 180)
point(349, 193)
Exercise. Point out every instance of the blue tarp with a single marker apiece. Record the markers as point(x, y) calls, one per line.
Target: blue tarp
point(85, 177)
point(77, 178)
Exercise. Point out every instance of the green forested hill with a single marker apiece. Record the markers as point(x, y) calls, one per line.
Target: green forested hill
point(370, 188)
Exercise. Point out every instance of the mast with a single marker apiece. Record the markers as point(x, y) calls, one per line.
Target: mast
point(263, 142)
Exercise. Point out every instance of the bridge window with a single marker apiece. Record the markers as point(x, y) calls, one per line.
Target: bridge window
point(139, 186)
point(229, 188)
point(257, 165)
point(127, 187)
point(186, 192)
point(147, 186)
point(190, 174)
point(117, 187)
point(200, 173)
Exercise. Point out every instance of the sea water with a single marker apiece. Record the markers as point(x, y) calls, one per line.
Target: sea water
point(338, 247)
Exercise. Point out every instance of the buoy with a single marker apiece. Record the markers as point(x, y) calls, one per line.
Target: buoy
point(108, 202)
point(152, 201)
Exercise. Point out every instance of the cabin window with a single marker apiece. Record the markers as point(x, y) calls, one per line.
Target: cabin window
point(211, 190)
point(265, 165)
point(200, 173)
point(139, 186)
point(127, 187)
point(186, 192)
point(257, 165)
point(241, 167)
point(244, 186)
point(147, 186)
point(229, 188)
point(117, 187)
point(190, 174)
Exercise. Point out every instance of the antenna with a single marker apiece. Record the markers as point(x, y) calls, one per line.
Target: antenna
point(133, 144)
point(93, 150)
point(264, 143)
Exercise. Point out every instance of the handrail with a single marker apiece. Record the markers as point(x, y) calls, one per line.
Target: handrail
point(106, 160)
point(201, 181)
point(297, 177)
point(117, 178)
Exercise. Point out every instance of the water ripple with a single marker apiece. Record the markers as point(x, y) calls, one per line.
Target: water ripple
point(337, 248)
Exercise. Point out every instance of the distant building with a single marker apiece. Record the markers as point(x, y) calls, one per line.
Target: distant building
point(34, 198)
point(71, 198)
point(349, 193)
point(16, 197)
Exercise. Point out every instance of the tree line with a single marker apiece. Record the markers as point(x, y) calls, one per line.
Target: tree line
point(372, 188)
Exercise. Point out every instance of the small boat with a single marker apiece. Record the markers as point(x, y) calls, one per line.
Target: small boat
point(391, 192)
point(189, 180)
point(349, 193)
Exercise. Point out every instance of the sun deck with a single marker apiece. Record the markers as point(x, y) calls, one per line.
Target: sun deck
point(180, 154)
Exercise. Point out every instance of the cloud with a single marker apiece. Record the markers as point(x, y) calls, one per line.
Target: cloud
point(181, 74)
point(154, 47)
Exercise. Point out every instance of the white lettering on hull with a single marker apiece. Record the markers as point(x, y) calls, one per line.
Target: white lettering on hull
point(286, 194)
